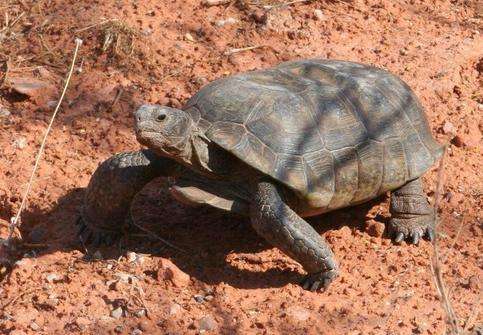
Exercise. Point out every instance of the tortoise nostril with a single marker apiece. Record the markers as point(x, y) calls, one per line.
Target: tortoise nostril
point(161, 117)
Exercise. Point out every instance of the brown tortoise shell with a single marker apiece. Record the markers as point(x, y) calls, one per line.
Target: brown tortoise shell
point(338, 133)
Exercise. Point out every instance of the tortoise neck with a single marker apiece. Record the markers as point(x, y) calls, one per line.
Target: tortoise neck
point(207, 158)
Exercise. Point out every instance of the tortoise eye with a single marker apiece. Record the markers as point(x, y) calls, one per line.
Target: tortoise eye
point(161, 117)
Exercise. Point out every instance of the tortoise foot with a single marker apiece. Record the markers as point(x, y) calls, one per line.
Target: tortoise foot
point(95, 237)
point(412, 228)
point(319, 280)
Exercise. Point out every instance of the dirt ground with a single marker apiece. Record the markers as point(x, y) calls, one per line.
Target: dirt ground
point(227, 280)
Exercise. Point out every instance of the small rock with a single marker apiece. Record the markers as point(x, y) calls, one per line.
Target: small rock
point(259, 16)
point(140, 313)
point(458, 141)
point(136, 332)
point(52, 277)
point(298, 313)
point(319, 15)
point(116, 313)
point(34, 326)
point(4, 113)
point(37, 234)
point(20, 142)
point(174, 309)
point(230, 20)
point(97, 255)
point(131, 256)
point(118, 329)
point(199, 298)
point(169, 271)
point(473, 283)
point(449, 128)
point(82, 322)
point(208, 298)
point(143, 325)
point(207, 323)
point(29, 86)
point(189, 37)
point(375, 228)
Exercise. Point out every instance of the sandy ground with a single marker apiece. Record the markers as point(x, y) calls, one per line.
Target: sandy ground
point(229, 281)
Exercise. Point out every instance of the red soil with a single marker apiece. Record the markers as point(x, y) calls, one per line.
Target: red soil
point(230, 281)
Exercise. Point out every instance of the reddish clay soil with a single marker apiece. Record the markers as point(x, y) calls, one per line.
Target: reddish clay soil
point(228, 280)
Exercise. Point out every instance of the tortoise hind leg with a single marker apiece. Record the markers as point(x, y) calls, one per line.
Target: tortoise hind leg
point(282, 227)
point(411, 215)
point(111, 190)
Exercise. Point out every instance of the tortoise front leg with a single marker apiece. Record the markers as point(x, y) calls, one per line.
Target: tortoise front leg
point(283, 228)
point(412, 217)
point(111, 190)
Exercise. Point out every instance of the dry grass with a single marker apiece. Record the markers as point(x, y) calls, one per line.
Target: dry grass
point(13, 228)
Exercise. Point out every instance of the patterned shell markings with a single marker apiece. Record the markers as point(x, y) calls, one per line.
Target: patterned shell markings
point(338, 133)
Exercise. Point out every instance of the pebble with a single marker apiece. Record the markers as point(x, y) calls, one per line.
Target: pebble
point(37, 234)
point(174, 309)
point(82, 322)
point(52, 277)
point(118, 329)
point(207, 323)
point(169, 271)
point(20, 142)
point(375, 228)
point(136, 332)
point(141, 313)
point(230, 20)
point(449, 128)
point(259, 16)
point(189, 37)
point(97, 255)
point(131, 256)
point(199, 298)
point(116, 313)
point(319, 15)
point(298, 313)
point(4, 112)
point(34, 326)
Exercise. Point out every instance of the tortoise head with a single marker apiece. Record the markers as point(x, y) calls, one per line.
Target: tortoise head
point(165, 130)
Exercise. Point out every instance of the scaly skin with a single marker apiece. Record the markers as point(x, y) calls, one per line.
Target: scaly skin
point(412, 217)
point(283, 228)
point(111, 190)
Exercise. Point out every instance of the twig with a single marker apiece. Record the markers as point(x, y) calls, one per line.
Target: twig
point(15, 221)
point(8, 303)
point(270, 7)
point(436, 262)
point(95, 25)
point(116, 99)
point(473, 314)
point(210, 3)
point(147, 231)
point(6, 70)
point(236, 50)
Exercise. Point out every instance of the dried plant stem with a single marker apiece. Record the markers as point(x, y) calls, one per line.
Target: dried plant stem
point(270, 7)
point(15, 221)
point(215, 2)
point(152, 234)
point(436, 261)
point(234, 51)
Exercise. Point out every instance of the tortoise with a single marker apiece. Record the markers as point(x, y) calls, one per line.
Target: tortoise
point(297, 140)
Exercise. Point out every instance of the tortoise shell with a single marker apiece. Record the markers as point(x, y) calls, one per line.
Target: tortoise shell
point(337, 133)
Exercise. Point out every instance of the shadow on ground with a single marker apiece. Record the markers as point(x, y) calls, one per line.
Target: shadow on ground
point(206, 235)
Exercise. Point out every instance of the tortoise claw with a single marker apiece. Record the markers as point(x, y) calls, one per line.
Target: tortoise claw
point(94, 237)
point(415, 238)
point(322, 280)
point(399, 237)
point(430, 234)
